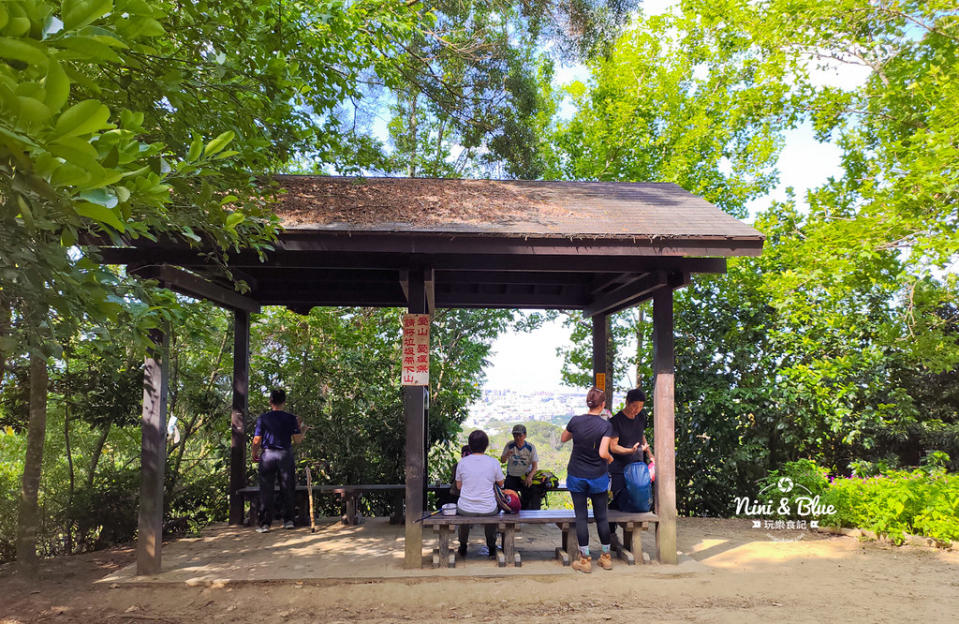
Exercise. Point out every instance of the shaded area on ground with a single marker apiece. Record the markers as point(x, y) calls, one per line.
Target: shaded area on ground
point(727, 573)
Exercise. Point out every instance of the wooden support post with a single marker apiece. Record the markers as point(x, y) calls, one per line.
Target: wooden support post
point(429, 292)
point(241, 401)
point(153, 454)
point(602, 360)
point(663, 424)
point(414, 408)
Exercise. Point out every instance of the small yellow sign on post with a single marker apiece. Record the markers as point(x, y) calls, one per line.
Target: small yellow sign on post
point(601, 381)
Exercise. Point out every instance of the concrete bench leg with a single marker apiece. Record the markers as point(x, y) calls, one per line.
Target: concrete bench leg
point(563, 552)
point(397, 517)
point(510, 554)
point(351, 517)
point(443, 556)
point(642, 556)
point(621, 551)
point(626, 549)
point(255, 510)
point(632, 550)
point(500, 554)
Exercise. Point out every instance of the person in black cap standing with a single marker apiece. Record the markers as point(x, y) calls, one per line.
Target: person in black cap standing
point(521, 464)
point(628, 443)
point(273, 438)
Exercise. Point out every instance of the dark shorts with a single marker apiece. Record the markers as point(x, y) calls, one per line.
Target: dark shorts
point(596, 485)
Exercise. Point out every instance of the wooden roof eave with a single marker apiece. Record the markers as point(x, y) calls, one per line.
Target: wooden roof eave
point(366, 241)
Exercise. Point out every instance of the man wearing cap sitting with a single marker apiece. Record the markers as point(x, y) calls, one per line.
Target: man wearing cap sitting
point(521, 463)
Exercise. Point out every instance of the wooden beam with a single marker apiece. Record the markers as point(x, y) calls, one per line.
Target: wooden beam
point(305, 300)
point(195, 286)
point(152, 455)
point(509, 298)
point(616, 280)
point(490, 261)
point(600, 362)
point(241, 399)
point(414, 409)
point(664, 424)
point(491, 297)
point(429, 287)
point(626, 295)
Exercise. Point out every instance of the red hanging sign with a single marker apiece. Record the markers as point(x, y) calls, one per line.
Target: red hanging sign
point(416, 350)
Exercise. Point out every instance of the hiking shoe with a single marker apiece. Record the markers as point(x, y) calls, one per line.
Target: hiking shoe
point(288, 524)
point(605, 561)
point(583, 564)
point(263, 528)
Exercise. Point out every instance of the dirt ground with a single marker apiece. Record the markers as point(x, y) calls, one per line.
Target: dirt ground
point(727, 573)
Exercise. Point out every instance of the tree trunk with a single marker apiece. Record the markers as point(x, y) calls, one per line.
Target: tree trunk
point(29, 518)
point(69, 452)
point(4, 328)
point(95, 458)
point(411, 171)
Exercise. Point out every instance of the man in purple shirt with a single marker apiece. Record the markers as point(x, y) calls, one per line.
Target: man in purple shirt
point(273, 438)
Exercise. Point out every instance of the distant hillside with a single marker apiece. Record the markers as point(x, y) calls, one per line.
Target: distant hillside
point(553, 455)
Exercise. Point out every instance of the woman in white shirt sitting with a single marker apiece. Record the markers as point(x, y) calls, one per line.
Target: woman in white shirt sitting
point(475, 475)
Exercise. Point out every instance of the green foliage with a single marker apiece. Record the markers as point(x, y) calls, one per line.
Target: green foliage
point(350, 397)
point(685, 99)
point(12, 447)
point(471, 102)
point(800, 479)
point(95, 516)
point(890, 502)
point(899, 502)
point(840, 342)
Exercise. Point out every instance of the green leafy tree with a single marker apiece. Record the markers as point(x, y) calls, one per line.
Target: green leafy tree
point(817, 348)
point(350, 397)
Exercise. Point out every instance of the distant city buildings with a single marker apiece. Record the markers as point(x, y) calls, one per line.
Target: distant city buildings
point(556, 406)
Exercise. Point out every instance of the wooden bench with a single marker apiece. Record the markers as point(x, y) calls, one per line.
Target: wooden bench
point(630, 550)
point(349, 494)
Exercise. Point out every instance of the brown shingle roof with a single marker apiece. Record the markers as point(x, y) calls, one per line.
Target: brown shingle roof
point(504, 208)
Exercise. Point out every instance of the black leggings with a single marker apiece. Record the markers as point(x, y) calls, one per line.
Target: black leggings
point(599, 513)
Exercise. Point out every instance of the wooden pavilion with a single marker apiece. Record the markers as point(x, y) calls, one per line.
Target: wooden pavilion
point(424, 244)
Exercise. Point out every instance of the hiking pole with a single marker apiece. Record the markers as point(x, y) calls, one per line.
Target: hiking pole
point(309, 493)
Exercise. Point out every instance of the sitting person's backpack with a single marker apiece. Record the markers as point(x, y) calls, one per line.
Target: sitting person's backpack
point(508, 500)
point(545, 480)
point(542, 482)
point(638, 488)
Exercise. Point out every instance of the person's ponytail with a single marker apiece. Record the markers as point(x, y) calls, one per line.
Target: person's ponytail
point(595, 397)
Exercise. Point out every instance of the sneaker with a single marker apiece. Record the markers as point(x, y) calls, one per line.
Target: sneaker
point(583, 564)
point(288, 524)
point(263, 528)
point(605, 561)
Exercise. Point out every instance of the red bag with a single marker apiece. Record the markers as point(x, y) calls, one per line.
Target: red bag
point(508, 500)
